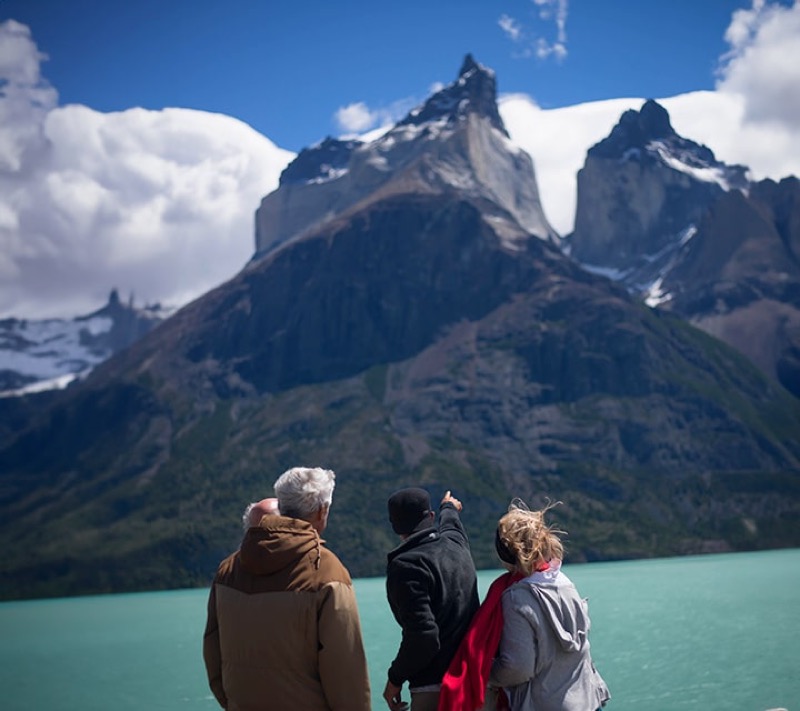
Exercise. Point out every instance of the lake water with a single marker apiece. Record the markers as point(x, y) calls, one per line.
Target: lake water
point(711, 633)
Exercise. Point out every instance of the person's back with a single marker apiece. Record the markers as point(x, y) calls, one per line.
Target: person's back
point(432, 590)
point(283, 630)
point(560, 675)
point(544, 660)
point(442, 559)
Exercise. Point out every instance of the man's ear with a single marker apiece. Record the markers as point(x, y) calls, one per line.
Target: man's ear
point(320, 517)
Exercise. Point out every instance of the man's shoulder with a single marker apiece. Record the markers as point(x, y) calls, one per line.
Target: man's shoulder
point(226, 567)
point(415, 547)
point(331, 569)
point(424, 554)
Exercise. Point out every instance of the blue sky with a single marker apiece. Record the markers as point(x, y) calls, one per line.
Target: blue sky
point(138, 138)
point(286, 68)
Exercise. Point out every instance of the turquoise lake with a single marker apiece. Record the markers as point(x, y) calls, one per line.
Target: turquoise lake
point(710, 633)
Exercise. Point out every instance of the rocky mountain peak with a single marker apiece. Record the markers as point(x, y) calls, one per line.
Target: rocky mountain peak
point(641, 189)
point(654, 119)
point(650, 122)
point(455, 141)
point(474, 91)
point(637, 130)
point(688, 233)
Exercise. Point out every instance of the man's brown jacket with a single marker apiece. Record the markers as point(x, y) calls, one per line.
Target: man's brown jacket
point(283, 630)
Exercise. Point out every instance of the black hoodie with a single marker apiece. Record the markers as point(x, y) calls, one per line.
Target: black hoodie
point(433, 592)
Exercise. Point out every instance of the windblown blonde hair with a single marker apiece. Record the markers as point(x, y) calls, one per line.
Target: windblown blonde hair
point(528, 537)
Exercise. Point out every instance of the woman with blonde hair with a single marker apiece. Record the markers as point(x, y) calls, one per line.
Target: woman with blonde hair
point(543, 662)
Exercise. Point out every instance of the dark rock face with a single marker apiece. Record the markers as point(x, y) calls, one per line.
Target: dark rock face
point(378, 288)
point(739, 277)
point(782, 201)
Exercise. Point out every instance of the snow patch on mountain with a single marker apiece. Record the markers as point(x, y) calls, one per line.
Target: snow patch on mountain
point(646, 278)
point(689, 165)
point(45, 354)
point(48, 350)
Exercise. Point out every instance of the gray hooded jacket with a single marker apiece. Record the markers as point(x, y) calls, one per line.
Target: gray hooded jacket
point(543, 661)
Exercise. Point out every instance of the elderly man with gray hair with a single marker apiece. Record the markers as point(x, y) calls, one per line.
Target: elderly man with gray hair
point(283, 629)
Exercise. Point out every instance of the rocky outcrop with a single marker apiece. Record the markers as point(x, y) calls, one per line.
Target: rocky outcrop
point(375, 288)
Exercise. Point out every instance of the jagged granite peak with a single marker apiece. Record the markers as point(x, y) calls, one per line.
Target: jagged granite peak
point(636, 129)
point(641, 189)
point(647, 135)
point(475, 91)
point(455, 142)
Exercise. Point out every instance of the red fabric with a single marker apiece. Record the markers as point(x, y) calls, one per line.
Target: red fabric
point(464, 684)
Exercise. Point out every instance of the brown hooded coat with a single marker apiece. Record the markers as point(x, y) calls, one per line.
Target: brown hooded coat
point(283, 629)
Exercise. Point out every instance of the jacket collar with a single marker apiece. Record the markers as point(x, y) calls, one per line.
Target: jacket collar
point(426, 534)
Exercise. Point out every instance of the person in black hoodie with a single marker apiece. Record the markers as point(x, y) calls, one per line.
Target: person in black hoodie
point(433, 593)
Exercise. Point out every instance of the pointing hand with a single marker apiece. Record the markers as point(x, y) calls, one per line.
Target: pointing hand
point(448, 497)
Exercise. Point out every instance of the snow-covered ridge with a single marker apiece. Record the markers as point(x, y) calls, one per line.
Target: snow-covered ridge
point(34, 352)
point(46, 354)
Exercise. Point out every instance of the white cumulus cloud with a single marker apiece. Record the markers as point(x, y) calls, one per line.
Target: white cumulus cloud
point(358, 118)
point(156, 203)
point(355, 118)
point(763, 64)
point(557, 141)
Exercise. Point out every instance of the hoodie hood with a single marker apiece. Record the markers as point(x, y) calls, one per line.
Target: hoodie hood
point(567, 614)
point(277, 543)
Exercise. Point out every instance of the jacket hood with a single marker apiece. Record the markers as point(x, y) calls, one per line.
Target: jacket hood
point(567, 614)
point(277, 543)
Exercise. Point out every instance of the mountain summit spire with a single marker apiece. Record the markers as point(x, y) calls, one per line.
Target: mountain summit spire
point(474, 91)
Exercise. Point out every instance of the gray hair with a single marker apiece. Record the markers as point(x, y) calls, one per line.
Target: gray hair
point(303, 491)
